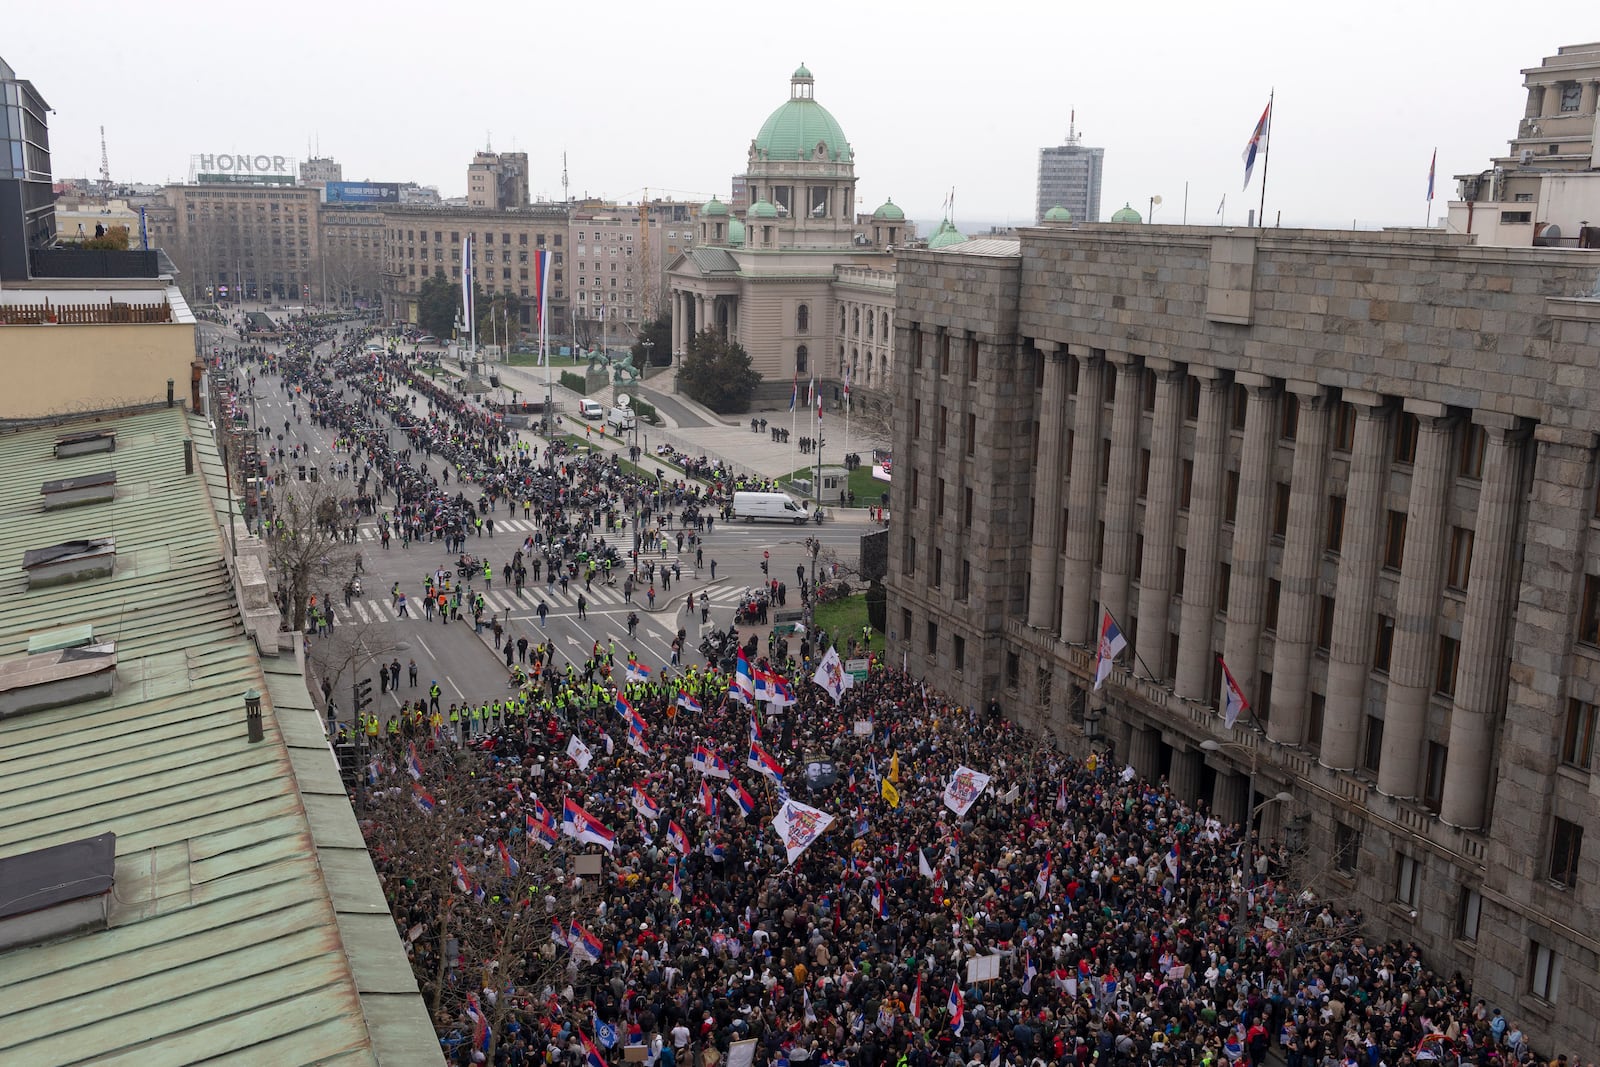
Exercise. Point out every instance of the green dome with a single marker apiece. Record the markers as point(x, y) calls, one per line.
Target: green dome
point(1058, 214)
point(946, 235)
point(715, 207)
point(761, 209)
point(801, 124)
point(889, 211)
point(1126, 214)
point(735, 232)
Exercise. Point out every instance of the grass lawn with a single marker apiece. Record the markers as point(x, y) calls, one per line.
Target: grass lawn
point(845, 618)
point(861, 482)
point(531, 359)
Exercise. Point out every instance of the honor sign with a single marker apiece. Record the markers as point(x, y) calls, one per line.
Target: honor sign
point(241, 167)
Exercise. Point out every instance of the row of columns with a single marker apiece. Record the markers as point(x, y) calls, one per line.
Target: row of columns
point(693, 312)
point(1067, 564)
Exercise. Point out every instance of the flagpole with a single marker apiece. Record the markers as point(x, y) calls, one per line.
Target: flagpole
point(1266, 157)
point(1148, 673)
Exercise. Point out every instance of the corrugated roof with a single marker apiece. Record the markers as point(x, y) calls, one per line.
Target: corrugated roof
point(984, 246)
point(712, 260)
point(223, 940)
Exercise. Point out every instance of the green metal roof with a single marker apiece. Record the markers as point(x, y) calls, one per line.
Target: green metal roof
point(1125, 213)
point(735, 232)
point(889, 211)
point(713, 208)
point(224, 940)
point(946, 235)
point(799, 125)
point(762, 209)
point(800, 72)
point(1058, 214)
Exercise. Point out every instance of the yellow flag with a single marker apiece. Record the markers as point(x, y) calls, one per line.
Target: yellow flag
point(894, 767)
point(891, 794)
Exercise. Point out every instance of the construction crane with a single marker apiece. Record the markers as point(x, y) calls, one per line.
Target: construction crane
point(105, 166)
point(647, 307)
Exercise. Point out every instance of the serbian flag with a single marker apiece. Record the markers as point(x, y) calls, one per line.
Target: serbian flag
point(746, 803)
point(1105, 653)
point(575, 822)
point(708, 799)
point(423, 798)
point(743, 680)
point(915, 1008)
point(794, 393)
point(761, 761)
point(880, 903)
point(636, 738)
point(463, 879)
point(958, 1017)
point(1233, 697)
point(513, 868)
point(1043, 881)
point(541, 831)
point(591, 1055)
point(1028, 973)
point(1432, 163)
point(755, 727)
point(763, 681)
point(637, 672)
point(708, 762)
point(635, 720)
point(688, 702)
point(413, 764)
point(779, 694)
point(480, 1023)
point(1257, 143)
point(679, 839)
point(1174, 861)
point(583, 942)
point(925, 868)
point(644, 805)
point(624, 708)
point(558, 932)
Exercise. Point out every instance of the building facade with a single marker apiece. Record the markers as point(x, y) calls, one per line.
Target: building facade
point(1069, 177)
point(27, 196)
point(1546, 191)
point(788, 275)
point(1362, 470)
point(240, 241)
point(498, 181)
point(618, 269)
point(318, 171)
point(351, 265)
point(422, 241)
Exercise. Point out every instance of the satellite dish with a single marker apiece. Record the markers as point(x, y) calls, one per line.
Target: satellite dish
point(623, 400)
point(1547, 235)
point(1156, 200)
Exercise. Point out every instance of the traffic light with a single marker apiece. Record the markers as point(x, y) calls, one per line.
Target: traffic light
point(363, 695)
point(764, 567)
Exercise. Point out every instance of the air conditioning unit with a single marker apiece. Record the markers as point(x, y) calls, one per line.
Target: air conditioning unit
point(1527, 156)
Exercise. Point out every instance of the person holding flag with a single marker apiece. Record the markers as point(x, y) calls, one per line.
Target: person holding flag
point(954, 1007)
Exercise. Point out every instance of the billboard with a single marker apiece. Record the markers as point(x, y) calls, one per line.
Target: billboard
point(363, 193)
point(241, 167)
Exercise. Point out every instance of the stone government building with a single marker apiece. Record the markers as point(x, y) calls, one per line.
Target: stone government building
point(1363, 469)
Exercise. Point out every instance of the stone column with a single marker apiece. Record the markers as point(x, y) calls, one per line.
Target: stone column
point(1253, 525)
point(1411, 678)
point(1082, 491)
point(1205, 514)
point(1145, 751)
point(1229, 799)
point(1359, 555)
point(1044, 562)
point(678, 323)
point(1586, 105)
point(1116, 570)
point(1302, 551)
point(1535, 106)
point(1481, 681)
point(1185, 777)
point(1160, 513)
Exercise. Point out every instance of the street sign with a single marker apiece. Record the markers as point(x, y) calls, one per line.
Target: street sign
point(857, 668)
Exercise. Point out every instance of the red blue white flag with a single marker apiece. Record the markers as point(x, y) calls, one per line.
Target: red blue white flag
point(575, 822)
point(1257, 143)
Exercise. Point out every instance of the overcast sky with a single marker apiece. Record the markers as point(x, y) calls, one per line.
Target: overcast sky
point(932, 96)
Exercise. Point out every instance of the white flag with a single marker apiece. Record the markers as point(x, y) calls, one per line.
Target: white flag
point(925, 868)
point(965, 787)
point(798, 825)
point(579, 752)
point(831, 676)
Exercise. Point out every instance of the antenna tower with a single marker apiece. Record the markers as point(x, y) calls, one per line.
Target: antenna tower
point(105, 166)
point(564, 194)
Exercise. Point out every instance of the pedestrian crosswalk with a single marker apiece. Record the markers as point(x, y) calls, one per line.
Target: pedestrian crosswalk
point(600, 597)
point(515, 531)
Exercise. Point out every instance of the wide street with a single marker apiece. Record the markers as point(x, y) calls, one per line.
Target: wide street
point(368, 629)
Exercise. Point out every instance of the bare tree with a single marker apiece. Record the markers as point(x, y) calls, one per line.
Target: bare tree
point(306, 545)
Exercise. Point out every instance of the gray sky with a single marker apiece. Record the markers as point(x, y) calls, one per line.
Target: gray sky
point(931, 96)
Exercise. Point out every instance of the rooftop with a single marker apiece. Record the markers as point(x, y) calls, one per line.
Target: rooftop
point(224, 936)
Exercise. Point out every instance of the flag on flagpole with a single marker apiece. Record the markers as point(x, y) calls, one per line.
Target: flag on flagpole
point(954, 1007)
point(915, 1008)
point(1043, 880)
point(423, 798)
point(677, 837)
point(579, 752)
point(708, 799)
point(687, 702)
point(819, 411)
point(1233, 701)
point(740, 797)
point(708, 762)
point(637, 672)
point(811, 389)
point(542, 259)
point(1173, 860)
point(794, 395)
point(413, 764)
point(512, 866)
point(762, 762)
point(1432, 163)
point(575, 822)
point(743, 678)
point(1257, 143)
point(925, 868)
point(880, 902)
point(466, 283)
point(584, 943)
point(642, 803)
point(1029, 971)
point(1105, 653)
point(677, 886)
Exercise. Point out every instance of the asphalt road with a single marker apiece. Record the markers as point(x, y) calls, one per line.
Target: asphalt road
point(369, 630)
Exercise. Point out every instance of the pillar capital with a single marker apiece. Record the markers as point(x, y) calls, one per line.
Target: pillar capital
point(1363, 400)
point(1123, 360)
point(1424, 409)
point(1306, 391)
point(1252, 380)
point(1162, 365)
point(1206, 375)
point(1080, 351)
point(1494, 420)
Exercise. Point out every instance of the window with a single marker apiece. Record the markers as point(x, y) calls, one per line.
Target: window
point(932, 638)
point(1185, 484)
point(972, 433)
point(1405, 438)
point(1324, 623)
point(1147, 396)
point(1394, 541)
point(964, 590)
point(1105, 462)
point(1230, 496)
point(1180, 560)
point(1138, 559)
point(1191, 399)
point(909, 564)
point(972, 356)
point(1241, 406)
point(1468, 911)
point(1433, 781)
point(1013, 670)
point(1589, 621)
point(966, 508)
point(938, 567)
point(916, 418)
point(1291, 417)
point(1280, 511)
point(1374, 754)
point(958, 652)
point(802, 319)
point(802, 359)
point(1384, 645)
point(1407, 879)
point(1449, 658)
point(916, 487)
point(1566, 841)
point(1460, 558)
point(1544, 972)
point(944, 426)
point(1346, 847)
point(938, 498)
point(1314, 714)
point(944, 352)
point(1144, 473)
point(1224, 580)
point(905, 623)
point(1474, 439)
point(1577, 741)
point(1274, 594)
point(1335, 523)
point(1344, 428)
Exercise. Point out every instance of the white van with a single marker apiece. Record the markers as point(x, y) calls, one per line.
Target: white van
point(591, 410)
point(774, 506)
point(620, 420)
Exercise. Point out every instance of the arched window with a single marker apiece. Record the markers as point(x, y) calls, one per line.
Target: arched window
point(855, 322)
point(841, 321)
point(869, 325)
point(885, 331)
point(801, 358)
point(802, 319)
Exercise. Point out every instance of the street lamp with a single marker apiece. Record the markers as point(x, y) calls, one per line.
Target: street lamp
point(1210, 745)
point(647, 345)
